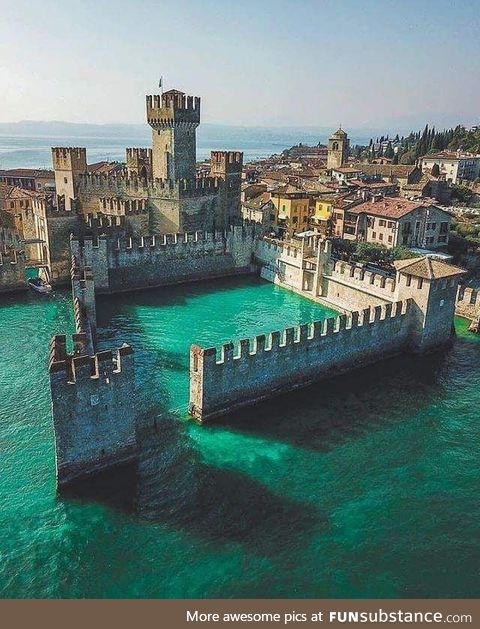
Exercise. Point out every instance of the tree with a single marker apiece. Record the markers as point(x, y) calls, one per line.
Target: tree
point(389, 152)
point(435, 170)
point(408, 157)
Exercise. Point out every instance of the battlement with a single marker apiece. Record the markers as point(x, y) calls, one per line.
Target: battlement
point(172, 108)
point(116, 185)
point(161, 242)
point(305, 334)
point(104, 222)
point(226, 161)
point(468, 303)
point(76, 367)
point(241, 373)
point(121, 206)
point(138, 154)
point(69, 158)
point(469, 295)
point(359, 275)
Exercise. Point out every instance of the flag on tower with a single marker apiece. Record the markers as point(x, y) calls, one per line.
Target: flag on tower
point(160, 82)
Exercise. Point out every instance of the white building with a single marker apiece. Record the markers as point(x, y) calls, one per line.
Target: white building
point(454, 165)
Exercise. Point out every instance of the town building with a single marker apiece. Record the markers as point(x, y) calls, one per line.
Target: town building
point(343, 174)
point(453, 165)
point(293, 211)
point(393, 222)
point(36, 179)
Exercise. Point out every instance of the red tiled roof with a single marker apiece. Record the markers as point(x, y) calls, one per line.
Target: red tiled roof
point(390, 207)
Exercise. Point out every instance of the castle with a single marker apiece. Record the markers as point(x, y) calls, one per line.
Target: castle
point(157, 192)
point(156, 222)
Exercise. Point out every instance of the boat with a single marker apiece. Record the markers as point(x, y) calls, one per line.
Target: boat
point(39, 285)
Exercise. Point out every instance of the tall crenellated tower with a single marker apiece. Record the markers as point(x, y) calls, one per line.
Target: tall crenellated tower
point(338, 146)
point(174, 118)
point(227, 166)
point(68, 164)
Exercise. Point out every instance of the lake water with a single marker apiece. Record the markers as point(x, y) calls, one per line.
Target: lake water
point(35, 151)
point(364, 486)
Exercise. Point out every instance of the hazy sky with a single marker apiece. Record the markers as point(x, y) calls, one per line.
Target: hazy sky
point(362, 63)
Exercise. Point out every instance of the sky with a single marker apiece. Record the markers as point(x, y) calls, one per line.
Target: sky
point(394, 64)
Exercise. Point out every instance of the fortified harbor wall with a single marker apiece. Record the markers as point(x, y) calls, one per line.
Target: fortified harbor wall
point(124, 263)
point(412, 311)
point(250, 371)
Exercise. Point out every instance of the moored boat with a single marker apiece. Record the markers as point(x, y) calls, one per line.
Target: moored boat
point(39, 286)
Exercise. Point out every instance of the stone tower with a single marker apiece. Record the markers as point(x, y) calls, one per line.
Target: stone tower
point(139, 162)
point(174, 118)
point(338, 146)
point(227, 166)
point(92, 408)
point(432, 285)
point(68, 164)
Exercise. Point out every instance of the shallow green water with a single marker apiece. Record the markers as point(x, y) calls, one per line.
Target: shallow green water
point(366, 486)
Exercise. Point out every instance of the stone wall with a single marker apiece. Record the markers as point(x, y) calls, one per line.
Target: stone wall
point(468, 302)
point(12, 271)
point(280, 361)
point(124, 264)
point(92, 408)
point(60, 224)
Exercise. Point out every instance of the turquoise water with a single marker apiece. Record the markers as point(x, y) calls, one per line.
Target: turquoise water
point(365, 486)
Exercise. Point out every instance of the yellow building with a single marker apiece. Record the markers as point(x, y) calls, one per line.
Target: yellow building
point(322, 215)
point(293, 211)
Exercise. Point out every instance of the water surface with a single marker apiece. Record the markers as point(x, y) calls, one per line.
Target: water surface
point(364, 486)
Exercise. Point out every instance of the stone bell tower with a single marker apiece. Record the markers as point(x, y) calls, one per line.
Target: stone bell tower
point(174, 118)
point(338, 146)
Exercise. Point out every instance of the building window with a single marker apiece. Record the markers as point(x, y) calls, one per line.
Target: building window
point(390, 224)
point(65, 180)
point(382, 223)
point(442, 239)
point(434, 226)
point(390, 239)
point(374, 235)
point(380, 236)
point(420, 282)
point(409, 280)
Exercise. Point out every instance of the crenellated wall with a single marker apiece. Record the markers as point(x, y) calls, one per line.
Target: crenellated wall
point(92, 408)
point(351, 286)
point(126, 263)
point(468, 302)
point(241, 374)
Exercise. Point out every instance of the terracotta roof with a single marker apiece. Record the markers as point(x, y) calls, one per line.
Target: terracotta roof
point(386, 170)
point(347, 169)
point(390, 207)
point(14, 192)
point(449, 155)
point(428, 268)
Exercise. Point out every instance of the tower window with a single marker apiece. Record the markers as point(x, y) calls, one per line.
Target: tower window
point(65, 180)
